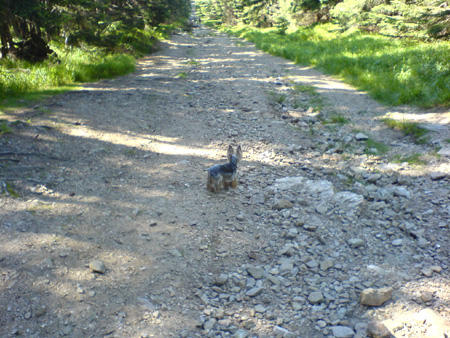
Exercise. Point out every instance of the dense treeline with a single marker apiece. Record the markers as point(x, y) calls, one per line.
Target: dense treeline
point(414, 18)
point(26, 26)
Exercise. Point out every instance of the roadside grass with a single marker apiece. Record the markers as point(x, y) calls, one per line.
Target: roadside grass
point(336, 119)
point(411, 129)
point(414, 159)
point(74, 65)
point(393, 71)
point(277, 97)
point(20, 79)
point(315, 99)
point(4, 128)
point(375, 148)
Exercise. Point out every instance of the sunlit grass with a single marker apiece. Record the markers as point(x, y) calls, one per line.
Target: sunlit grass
point(394, 71)
point(412, 129)
point(20, 78)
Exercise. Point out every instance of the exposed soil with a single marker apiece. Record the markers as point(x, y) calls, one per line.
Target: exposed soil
point(115, 172)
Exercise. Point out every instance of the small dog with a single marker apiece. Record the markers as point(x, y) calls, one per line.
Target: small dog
point(224, 175)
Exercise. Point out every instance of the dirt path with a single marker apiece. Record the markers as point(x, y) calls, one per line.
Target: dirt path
point(114, 173)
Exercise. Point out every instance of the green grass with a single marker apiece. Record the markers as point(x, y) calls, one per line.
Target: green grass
point(277, 97)
point(339, 119)
point(314, 98)
point(4, 128)
point(411, 129)
point(414, 159)
point(375, 148)
point(393, 71)
point(20, 78)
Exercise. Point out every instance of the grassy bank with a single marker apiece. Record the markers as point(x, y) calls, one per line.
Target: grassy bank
point(18, 78)
point(71, 66)
point(393, 71)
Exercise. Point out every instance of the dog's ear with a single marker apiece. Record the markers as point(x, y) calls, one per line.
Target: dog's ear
point(230, 152)
point(239, 152)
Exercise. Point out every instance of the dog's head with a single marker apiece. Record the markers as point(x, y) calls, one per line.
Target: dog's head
point(234, 156)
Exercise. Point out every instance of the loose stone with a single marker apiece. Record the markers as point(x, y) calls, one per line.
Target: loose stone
point(376, 297)
point(98, 266)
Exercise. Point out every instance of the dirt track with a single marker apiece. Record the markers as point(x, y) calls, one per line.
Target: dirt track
point(115, 173)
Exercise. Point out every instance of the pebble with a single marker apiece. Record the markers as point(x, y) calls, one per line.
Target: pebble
point(98, 266)
point(221, 279)
point(356, 243)
point(444, 151)
point(376, 297)
point(253, 292)
point(397, 242)
point(256, 272)
point(316, 297)
point(361, 137)
point(377, 329)
point(282, 204)
point(436, 176)
point(342, 332)
point(426, 296)
point(175, 253)
point(282, 332)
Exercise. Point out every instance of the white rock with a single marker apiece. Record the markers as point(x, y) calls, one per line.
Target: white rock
point(361, 137)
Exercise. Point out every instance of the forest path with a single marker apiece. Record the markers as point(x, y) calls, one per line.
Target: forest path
point(115, 173)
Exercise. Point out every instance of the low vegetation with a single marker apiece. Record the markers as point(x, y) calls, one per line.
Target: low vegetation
point(393, 71)
point(20, 77)
point(408, 128)
point(395, 50)
point(414, 159)
point(49, 44)
point(375, 148)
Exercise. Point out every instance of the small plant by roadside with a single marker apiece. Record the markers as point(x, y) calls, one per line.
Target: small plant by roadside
point(337, 119)
point(278, 97)
point(315, 99)
point(182, 75)
point(375, 148)
point(411, 129)
point(414, 159)
point(4, 128)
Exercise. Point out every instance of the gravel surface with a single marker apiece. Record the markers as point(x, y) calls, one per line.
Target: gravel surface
point(339, 226)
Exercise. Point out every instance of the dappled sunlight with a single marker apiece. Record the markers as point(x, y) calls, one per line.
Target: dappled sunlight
point(130, 190)
point(156, 144)
point(439, 118)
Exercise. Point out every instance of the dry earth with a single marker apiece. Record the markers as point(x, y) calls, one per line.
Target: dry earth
point(114, 173)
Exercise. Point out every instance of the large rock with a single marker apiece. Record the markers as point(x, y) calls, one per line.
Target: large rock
point(376, 297)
